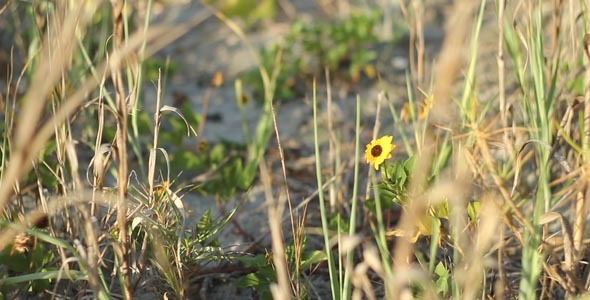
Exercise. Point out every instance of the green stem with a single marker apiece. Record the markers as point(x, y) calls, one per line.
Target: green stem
point(332, 268)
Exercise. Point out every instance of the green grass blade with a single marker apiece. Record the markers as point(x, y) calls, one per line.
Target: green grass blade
point(332, 268)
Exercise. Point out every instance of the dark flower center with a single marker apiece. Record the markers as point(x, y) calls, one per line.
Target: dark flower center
point(376, 150)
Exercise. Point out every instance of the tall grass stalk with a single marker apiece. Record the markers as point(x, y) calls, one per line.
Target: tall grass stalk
point(154, 149)
point(468, 107)
point(469, 115)
point(281, 290)
point(500, 61)
point(137, 88)
point(334, 283)
point(334, 162)
point(121, 155)
point(346, 289)
point(539, 117)
point(296, 228)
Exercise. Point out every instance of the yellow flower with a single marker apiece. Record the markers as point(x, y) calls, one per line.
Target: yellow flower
point(379, 150)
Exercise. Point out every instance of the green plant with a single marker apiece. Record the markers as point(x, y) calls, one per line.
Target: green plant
point(311, 48)
point(341, 43)
point(175, 248)
point(250, 11)
point(265, 273)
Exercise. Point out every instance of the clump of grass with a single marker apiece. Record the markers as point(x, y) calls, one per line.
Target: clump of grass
point(94, 237)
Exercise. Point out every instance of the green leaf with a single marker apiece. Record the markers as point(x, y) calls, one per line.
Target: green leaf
point(311, 258)
point(207, 228)
point(385, 205)
point(260, 281)
point(18, 262)
point(250, 280)
point(205, 222)
point(442, 281)
point(473, 210)
point(217, 154)
point(257, 261)
point(72, 274)
point(442, 159)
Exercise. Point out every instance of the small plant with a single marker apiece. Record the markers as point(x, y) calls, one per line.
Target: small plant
point(311, 48)
point(250, 11)
point(265, 273)
point(429, 219)
point(175, 247)
point(341, 44)
point(26, 255)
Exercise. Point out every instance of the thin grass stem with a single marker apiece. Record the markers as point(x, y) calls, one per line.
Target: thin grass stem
point(334, 283)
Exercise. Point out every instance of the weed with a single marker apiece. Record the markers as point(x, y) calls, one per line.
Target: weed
point(310, 48)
